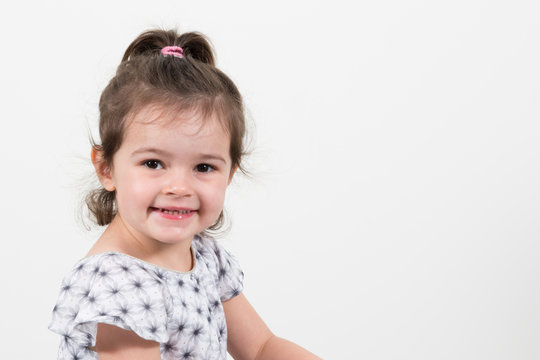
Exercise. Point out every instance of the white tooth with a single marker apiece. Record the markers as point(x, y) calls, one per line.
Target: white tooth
point(175, 212)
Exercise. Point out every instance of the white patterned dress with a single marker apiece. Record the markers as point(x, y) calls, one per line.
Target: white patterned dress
point(181, 311)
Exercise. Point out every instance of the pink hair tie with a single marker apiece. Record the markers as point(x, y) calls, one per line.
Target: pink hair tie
point(173, 50)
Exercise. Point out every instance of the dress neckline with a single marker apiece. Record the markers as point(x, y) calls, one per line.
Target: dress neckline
point(146, 263)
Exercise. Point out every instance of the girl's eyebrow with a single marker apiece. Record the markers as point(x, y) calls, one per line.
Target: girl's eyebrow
point(213, 157)
point(149, 150)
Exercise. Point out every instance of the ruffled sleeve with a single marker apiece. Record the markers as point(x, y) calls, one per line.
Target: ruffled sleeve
point(113, 289)
point(226, 269)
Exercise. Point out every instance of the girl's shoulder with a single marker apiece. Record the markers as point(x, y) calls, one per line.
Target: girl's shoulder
point(112, 266)
point(100, 280)
point(110, 288)
point(221, 263)
point(209, 249)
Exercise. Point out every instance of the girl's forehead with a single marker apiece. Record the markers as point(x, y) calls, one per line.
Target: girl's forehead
point(166, 119)
point(182, 138)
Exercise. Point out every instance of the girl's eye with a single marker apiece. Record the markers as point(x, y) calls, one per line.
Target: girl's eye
point(204, 168)
point(153, 164)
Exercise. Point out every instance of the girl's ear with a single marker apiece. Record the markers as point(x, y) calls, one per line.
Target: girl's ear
point(233, 171)
point(103, 170)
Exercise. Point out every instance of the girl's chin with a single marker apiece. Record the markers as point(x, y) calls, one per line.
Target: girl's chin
point(174, 239)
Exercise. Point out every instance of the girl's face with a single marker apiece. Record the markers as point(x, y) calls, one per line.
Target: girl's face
point(170, 175)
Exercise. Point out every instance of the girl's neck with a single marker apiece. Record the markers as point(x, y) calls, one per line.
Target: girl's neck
point(117, 237)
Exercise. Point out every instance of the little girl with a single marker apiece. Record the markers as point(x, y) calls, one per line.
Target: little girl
point(155, 285)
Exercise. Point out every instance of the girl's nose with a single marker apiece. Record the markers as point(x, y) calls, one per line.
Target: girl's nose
point(178, 184)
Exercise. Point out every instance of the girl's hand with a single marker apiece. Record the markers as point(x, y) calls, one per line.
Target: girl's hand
point(250, 339)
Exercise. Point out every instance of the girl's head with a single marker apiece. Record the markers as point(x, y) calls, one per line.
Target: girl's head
point(171, 77)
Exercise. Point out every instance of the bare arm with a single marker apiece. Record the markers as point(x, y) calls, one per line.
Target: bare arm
point(114, 343)
point(283, 349)
point(250, 339)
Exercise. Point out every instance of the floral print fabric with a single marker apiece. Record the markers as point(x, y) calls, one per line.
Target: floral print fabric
point(181, 311)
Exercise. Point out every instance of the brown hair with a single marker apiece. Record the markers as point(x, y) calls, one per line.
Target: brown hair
point(146, 76)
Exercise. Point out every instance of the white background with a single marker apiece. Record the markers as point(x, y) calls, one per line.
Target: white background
point(393, 211)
